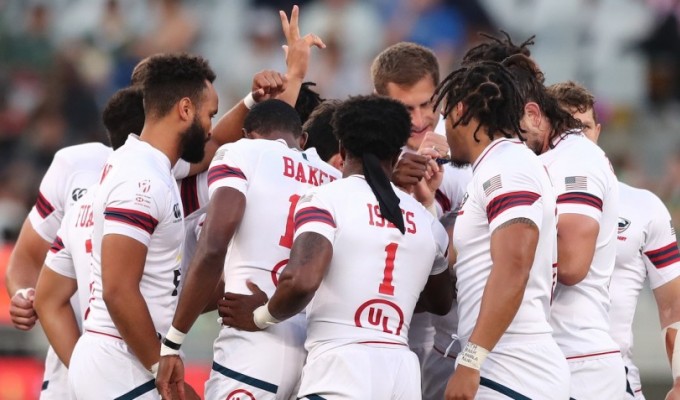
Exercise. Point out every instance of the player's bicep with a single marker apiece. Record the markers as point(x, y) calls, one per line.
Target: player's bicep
point(513, 244)
point(224, 216)
point(122, 264)
point(309, 260)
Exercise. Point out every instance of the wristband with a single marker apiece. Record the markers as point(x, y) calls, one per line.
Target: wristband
point(263, 318)
point(473, 356)
point(675, 355)
point(154, 370)
point(23, 292)
point(249, 101)
point(172, 342)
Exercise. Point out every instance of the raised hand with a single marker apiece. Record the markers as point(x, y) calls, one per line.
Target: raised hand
point(410, 169)
point(267, 85)
point(237, 309)
point(297, 49)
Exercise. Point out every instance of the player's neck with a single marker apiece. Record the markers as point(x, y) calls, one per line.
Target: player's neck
point(354, 166)
point(159, 136)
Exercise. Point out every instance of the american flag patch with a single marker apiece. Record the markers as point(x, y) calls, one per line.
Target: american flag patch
point(492, 184)
point(576, 183)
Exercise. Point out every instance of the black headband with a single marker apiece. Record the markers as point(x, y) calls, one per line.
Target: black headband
point(382, 188)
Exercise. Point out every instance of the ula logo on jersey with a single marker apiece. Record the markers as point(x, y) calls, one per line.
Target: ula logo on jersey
point(78, 193)
point(623, 224)
point(176, 211)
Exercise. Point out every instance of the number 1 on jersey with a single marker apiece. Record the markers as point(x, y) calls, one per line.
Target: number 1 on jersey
point(287, 238)
point(386, 285)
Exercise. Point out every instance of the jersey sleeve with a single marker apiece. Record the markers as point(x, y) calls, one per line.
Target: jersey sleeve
point(441, 238)
point(181, 169)
point(59, 258)
point(660, 250)
point(48, 211)
point(580, 190)
point(313, 214)
point(509, 195)
point(227, 170)
point(134, 208)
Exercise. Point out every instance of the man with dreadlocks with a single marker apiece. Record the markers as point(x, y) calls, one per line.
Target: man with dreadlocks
point(364, 251)
point(587, 208)
point(505, 237)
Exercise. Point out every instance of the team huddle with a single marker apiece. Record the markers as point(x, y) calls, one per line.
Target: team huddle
point(462, 238)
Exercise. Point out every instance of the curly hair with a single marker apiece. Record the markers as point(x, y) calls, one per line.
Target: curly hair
point(497, 49)
point(167, 78)
point(372, 124)
point(573, 96)
point(403, 64)
point(123, 114)
point(307, 101)
point(489, 94)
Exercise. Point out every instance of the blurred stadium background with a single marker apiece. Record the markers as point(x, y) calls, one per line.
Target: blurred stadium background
point(60, 60)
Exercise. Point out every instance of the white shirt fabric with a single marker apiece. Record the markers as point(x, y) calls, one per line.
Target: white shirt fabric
point(272, 176)
point(376, 274)
point(646, 247)
point(138, 197)
point(508, 182)
point(72, 171)
point(70, 252)
point(585, 184)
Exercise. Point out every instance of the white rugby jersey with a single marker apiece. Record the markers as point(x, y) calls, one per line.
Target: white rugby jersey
point(508, 182)
point(194, 193)
point(72, 171)
point(376, 274)
point(585, 184)
point(646, 247)
point(71, 250)
point(272, 177)
point(138, 197)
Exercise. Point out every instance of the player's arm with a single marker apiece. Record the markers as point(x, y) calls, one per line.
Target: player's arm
point(576, 241)
point(53, 303)
point(123, 259)
point(23, 269)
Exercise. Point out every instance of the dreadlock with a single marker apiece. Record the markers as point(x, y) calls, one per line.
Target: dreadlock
point(530, 79)
point(497, 49)
point(489, 94)
point(307, 101)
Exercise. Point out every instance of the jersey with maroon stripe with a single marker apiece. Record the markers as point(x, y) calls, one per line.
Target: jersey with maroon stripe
point(376, 274)
point(138, 197)
point(508, 182)
point(646, 247)
point(72, 171)
point(585, 184)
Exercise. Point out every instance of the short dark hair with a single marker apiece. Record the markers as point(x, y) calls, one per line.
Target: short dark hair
point(167, 78)
point(403, 64)
point(573, 96)
point(307, 101)
point(273, 115)
point(320, 131)
point(123, 114)
point(497, 49)
point(530, 80)
point(372, 124)
point(489, 94)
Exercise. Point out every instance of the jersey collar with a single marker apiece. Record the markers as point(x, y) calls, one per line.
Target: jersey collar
point(490, 147)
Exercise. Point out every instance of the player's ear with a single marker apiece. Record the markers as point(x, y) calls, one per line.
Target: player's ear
point(186, 109)
point(302, 140)
point(532, 113)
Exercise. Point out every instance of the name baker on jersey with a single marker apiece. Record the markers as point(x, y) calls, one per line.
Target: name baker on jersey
point(305, 173)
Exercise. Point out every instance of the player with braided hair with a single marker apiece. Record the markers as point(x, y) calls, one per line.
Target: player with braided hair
point(587, 208)
point(364, 251)
point(505, 238)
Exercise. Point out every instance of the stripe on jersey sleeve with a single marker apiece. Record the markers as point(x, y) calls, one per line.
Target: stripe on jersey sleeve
point(443, 201)
point(189, 195)
point(224, 171)
point(507, 201)
point(134, 218)
point(313, 214)
point(57, 245)
point(43, 206)
point(580, 198)
point(664, 256)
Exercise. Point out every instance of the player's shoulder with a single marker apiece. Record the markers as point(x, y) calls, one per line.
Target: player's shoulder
point(642, 199)
point(315, 160)
point(80, 154)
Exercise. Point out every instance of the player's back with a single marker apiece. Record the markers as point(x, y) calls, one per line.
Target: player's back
point(272, 177)
point(585, 184)
point(72, 171)
point(376, 274)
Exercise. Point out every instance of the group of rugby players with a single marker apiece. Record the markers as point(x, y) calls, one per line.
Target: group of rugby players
point(351, 251)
